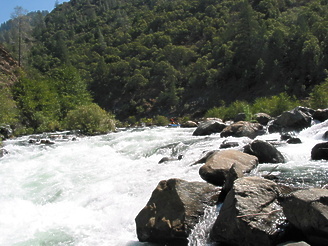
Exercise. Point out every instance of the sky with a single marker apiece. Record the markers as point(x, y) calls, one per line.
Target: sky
point(7, 6)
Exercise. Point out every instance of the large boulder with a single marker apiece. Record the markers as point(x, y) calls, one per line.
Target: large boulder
point(307, 210)
point(263, 118)
point(189, 124)
point(264, 151)
point(250, 214)
point(294, 120)
point(321, 114)
point(173, 210)
point(320, 151)
point(243, 129)
point(209, 127)
point(217, 166)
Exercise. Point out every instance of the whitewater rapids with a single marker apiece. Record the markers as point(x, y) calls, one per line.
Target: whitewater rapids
point(89, 191)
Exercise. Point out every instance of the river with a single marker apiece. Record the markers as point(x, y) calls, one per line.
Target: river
point(89, 191)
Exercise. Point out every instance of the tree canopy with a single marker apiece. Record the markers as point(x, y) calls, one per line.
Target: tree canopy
point(161, 57)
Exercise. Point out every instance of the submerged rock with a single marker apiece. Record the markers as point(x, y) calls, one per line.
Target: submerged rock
point(166, 159)
point(3, 152)
point(173, 210)
point(294, 141)
point(217, 166)
point(243, 129)
point(226, 144)
point(250, 214)
point(307, 210)
point(264, 151)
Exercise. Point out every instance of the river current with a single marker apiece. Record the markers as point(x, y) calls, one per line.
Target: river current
point(89, 191)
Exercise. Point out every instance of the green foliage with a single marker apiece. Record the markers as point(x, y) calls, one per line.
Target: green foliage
point(319, 96)
point(71, 89)
point(229, 113)
point(217, 112)
point(90, 119)
point(148, 58)
point(8, 110)
point(160, 120)
point(275, 105)
point(37, 101)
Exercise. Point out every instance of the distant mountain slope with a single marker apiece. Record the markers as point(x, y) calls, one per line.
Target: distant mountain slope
point(170, 57)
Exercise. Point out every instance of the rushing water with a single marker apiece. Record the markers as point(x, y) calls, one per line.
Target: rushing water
point(89, 191)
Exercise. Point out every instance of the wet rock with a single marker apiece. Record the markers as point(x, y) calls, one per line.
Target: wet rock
point(240, 117)
point(321, 114)
point(294, 120)
point(250, 214)
point(46, 141)
point(243, 129)
point(226, 144)
point(294, 141)
point(209, 127)
point(234, 173)
point(189, 124)
point(205, 157)
point(284, 136)
point(217, 166)
point(264, 151)
point(263, 118)
point(293, 244)
point(166, 159)
point(325, 135)
point(320, 151)
point(173, 210)
point(307, 210)
point(3, 152)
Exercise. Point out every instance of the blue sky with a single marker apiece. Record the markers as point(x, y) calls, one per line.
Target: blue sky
point(7, 6)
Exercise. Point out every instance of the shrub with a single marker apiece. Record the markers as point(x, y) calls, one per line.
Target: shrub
point(319, 96)
point(8, 109)
point(160, 120)
point(217, 112)
point(238, 107)
point(275, 105)
point(231, 111)
point(90, 119)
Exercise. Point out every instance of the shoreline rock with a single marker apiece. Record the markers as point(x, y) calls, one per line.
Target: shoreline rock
point(173, 210)
point(250, 214)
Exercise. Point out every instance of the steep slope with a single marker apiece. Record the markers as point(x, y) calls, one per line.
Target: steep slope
point(7, 67)
point(176, 56)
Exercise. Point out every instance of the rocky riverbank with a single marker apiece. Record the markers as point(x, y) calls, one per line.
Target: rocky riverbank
point(255, 210)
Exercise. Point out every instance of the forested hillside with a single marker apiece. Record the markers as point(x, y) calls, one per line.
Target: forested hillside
point(175, 57)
